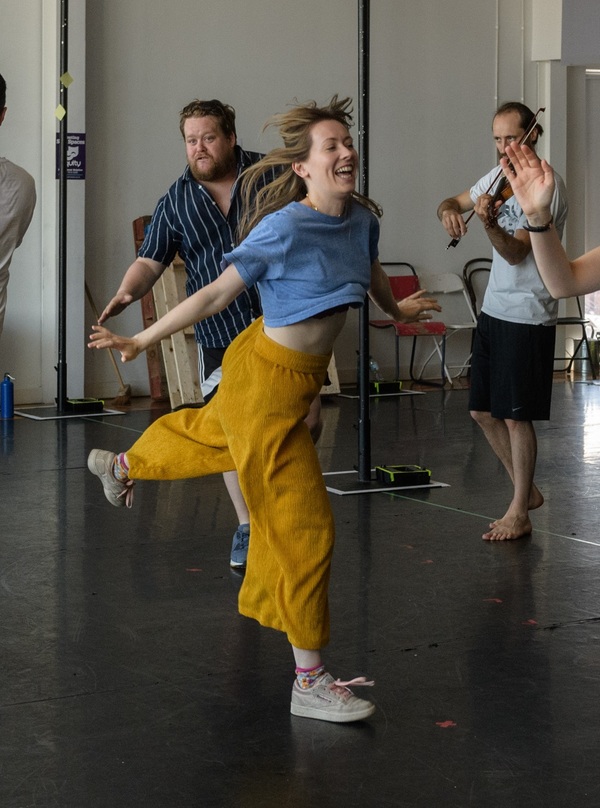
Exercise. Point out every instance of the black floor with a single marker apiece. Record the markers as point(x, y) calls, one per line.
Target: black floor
point(128, 679)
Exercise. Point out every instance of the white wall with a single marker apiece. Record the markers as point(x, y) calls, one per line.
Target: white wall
point(435, 82)
point(438, 70)
point(580, 32)
point(30, 64)
point(256, 56)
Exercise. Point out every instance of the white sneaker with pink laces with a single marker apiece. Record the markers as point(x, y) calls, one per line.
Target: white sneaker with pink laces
point(119, 494)
point(331, 700)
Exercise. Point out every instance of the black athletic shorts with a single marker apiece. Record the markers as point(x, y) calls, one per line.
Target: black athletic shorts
point(511, 369)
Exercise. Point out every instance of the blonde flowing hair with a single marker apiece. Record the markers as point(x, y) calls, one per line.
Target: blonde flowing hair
point(295, 129)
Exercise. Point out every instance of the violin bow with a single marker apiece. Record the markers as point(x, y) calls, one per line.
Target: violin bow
point(523, 139)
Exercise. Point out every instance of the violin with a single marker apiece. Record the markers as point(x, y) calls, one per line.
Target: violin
point(501, 195)
point(503, 190)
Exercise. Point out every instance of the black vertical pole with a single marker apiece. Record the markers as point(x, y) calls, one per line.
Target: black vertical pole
point(364, 421)
point(61, 397)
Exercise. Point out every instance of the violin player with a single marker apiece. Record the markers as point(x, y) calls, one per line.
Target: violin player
point(513, 349)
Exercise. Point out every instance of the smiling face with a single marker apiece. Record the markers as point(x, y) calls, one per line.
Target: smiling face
point(210, 153)
point(330, 169)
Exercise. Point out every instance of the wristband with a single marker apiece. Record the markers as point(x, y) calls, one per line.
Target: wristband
point(543, 229)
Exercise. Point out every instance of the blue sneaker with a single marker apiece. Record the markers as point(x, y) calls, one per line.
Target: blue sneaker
point(239, 547)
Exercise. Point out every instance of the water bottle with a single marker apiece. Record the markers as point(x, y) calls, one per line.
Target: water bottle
point(374, 368)
point(7, 397)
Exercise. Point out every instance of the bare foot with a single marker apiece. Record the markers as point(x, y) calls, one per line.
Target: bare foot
point(536, 498)
point(508, 528)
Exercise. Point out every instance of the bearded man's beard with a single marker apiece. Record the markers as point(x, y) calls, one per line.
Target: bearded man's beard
point(215, 171)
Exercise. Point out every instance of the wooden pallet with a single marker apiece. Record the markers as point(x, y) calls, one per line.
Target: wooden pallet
point(172, 366)
point(156, 371)
point(179, 351)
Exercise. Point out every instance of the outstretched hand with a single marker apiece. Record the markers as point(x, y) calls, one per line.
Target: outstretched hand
point(103, 338)
point(118, 304)
point(531, 179)
point(416, 308)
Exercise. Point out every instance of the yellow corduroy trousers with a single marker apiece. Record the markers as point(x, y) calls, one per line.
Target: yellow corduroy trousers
point(255, 424)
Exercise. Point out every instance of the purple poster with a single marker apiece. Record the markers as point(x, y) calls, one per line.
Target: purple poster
point(75, 156)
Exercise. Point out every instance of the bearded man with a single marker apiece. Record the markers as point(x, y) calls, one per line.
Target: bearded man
point(198, 218)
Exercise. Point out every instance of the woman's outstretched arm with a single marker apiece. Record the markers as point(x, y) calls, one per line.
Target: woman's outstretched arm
point(532, 181)
point(207, 301)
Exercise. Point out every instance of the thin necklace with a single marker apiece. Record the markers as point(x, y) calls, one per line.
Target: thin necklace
point(314, 207)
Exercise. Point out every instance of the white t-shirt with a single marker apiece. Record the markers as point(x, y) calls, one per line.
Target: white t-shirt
point(517, 293)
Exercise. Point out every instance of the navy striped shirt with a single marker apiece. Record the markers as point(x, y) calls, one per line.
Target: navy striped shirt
point(188, 221)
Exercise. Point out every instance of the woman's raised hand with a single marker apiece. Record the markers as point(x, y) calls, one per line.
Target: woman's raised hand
point(531, 179)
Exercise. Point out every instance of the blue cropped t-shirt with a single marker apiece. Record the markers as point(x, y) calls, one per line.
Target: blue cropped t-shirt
point(305, 262)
